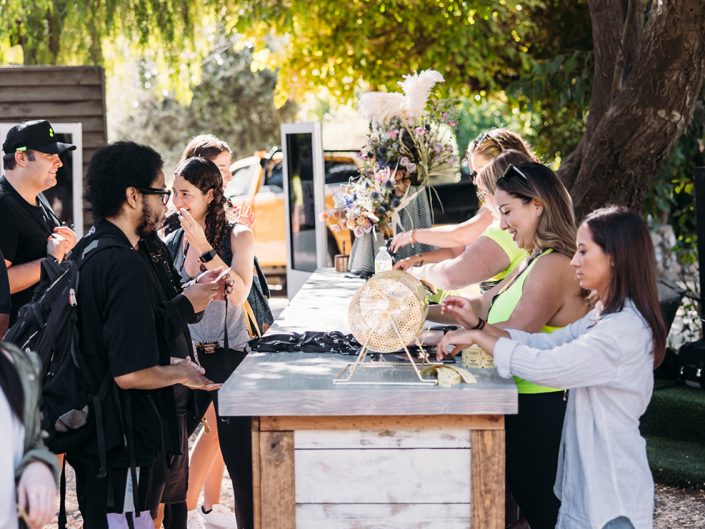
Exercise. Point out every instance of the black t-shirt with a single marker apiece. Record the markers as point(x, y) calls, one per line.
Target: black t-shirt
point(24, 229)
point(4, 287)
point(119, 330)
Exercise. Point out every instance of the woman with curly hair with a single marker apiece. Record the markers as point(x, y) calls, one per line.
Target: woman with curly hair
point(207, 240)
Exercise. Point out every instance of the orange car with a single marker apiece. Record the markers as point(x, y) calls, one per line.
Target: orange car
point(258, 182)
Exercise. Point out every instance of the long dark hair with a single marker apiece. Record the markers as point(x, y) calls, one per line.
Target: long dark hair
point(623, 235)
point(556, 227)
point(10, 383)
point(205, 175)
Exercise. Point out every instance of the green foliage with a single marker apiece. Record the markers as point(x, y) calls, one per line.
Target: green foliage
point(476, 45)
point(75, 32)
point(232, 102)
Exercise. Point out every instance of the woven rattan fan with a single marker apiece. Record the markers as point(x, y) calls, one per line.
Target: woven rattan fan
point(386, 314)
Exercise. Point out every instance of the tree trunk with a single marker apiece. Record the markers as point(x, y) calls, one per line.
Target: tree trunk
point(648, 77)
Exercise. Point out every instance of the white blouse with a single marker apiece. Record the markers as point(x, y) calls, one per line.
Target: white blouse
point(607, 364)
point(10, 458)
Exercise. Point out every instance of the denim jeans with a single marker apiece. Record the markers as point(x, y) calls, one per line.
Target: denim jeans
point(619, 523)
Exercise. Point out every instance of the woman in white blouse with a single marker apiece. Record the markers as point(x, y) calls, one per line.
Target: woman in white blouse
point(606, 359)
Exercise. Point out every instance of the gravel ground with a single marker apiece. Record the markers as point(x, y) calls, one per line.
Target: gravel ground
point(675, 508)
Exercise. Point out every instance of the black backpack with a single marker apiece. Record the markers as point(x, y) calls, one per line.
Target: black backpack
point(71, 402)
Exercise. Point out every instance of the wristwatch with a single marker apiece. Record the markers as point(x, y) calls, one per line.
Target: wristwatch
point(207, 257)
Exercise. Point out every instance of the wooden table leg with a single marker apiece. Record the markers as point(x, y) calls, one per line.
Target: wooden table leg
point(487, 479)
point(277, 493)
point(256, 478)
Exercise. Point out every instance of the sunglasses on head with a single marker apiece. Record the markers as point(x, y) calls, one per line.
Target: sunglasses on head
point(513, 169)
point(487, 135)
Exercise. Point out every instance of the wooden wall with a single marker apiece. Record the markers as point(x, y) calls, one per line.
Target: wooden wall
point(60, 94)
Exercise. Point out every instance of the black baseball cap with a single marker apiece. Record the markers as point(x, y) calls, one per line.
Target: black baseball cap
point(36, 135)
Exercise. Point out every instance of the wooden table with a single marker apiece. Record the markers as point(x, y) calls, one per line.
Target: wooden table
point(328, 456)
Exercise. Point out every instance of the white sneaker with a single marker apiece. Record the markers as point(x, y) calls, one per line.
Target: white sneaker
point(220, 517)
point(194, 520)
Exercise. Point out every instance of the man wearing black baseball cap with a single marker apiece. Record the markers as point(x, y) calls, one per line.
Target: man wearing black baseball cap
point(30, 230)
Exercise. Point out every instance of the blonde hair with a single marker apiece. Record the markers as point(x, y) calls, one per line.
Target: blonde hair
point(556, 226)
point(494, 142)
point(490, 173)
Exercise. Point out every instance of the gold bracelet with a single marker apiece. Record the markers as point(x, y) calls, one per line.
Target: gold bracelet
point(412, 238)
point(422, 259)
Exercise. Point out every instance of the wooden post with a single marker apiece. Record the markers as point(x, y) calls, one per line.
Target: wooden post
point(256, 475)
point(487, 479)
point(277, 480)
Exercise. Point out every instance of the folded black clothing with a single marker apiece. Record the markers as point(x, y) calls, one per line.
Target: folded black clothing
point(308, 342)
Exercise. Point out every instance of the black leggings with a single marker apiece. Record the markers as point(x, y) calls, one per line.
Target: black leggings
point(234, 434)
point(533, 439)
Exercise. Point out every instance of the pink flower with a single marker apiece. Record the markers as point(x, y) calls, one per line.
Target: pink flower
point(420, 131)
point(404, 161)
point(392, 134)
point(411, 167)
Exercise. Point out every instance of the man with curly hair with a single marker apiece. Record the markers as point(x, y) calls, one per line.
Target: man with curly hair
point(127, 327)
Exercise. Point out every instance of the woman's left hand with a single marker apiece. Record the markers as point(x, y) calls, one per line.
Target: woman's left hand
point(459, 340)
point(193, 232)
point(36, 495)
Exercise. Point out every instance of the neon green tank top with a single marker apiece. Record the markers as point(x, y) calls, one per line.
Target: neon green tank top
point(515, 254)
point(502, 307)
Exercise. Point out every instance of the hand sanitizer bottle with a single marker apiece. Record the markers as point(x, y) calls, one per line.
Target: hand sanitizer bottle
point(383, 261)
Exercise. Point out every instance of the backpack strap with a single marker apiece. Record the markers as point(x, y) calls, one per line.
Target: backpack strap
point(252, 327)
point(62, 520)
point(44, 203)
point(91, 250)
point(173, 242)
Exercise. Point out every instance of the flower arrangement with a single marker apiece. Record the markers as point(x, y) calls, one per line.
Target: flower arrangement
point(408, 132)
point(409, 141)
point(367, 202)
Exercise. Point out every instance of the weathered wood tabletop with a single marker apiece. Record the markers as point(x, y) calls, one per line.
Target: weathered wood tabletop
point(329, 456)
point(275, 384)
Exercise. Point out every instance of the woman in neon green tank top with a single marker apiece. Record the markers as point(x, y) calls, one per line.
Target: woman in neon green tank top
point(451, 240)
point(490, 258)
point(541, 295)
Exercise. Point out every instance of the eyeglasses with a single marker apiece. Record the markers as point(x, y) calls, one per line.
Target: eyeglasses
point(513, 169)
point(164, 193)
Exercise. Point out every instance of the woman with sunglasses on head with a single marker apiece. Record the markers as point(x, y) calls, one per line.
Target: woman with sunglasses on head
point(494, 254)
point(542, 294)
point(606, 359)
point(207, 240)
point(452, 240)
